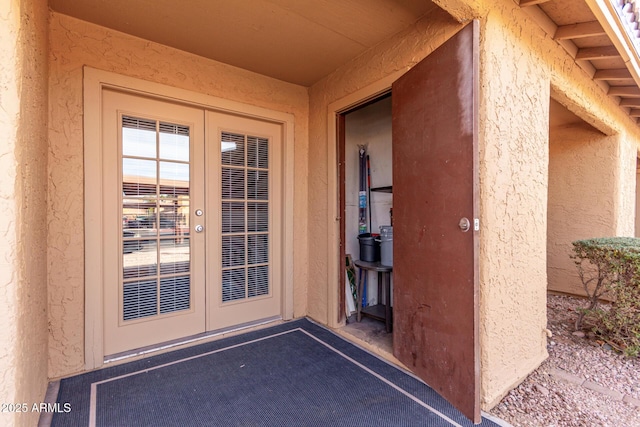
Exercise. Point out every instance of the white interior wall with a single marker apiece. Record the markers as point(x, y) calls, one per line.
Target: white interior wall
point(370, 126)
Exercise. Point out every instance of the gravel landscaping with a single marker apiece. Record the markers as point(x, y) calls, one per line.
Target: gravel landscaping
point(582, 383)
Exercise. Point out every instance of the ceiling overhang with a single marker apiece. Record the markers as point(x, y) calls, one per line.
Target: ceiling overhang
point(602, 39)
point(301, 42)
point(291, 40)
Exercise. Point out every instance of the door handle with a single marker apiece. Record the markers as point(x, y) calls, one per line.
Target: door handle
point(464, 224)
point(199, 228)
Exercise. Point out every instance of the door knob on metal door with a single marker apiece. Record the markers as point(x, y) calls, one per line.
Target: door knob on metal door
point(464, 224)
point(199, 228)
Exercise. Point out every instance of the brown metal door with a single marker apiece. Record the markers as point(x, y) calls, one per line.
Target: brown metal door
point(435, 305)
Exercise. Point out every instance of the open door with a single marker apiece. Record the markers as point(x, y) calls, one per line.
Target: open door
point(435, 298)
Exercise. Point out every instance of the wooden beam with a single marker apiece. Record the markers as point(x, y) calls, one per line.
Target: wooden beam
point(525, 3)
point(602, 52)
point(576, 31)
point(613, 74)
point(630, 102)
point(625, 91)
point(635, 112)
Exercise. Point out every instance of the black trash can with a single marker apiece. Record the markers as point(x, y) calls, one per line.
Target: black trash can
point(369, 248)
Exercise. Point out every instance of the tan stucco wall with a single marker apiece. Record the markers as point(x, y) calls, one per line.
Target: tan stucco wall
point(23, 183)
point(637, 209)
point(514, 118)
point(75, 43)
point(585, 197)
point(626, 179)
point(520, 66)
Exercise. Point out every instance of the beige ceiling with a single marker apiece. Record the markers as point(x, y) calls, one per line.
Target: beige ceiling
point(298, 41)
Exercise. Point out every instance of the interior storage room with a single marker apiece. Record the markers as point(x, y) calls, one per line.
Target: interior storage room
point(368, 213)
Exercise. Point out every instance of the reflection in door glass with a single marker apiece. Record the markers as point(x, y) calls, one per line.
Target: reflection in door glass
point(174, 142)
point(138, 177)
point(156, 257)
point(138, 137)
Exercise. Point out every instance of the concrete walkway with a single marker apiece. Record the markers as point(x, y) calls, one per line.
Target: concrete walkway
point(570, 378)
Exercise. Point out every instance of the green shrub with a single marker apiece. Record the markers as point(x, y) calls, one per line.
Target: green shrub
point(610, 267)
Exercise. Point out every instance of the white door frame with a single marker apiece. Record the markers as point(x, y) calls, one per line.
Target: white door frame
point(94, 82)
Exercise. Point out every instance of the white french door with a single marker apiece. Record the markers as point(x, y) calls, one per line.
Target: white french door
point(243, 265)
point(191, 222)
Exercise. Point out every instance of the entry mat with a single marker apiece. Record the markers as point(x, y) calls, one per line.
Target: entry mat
point(293, 374)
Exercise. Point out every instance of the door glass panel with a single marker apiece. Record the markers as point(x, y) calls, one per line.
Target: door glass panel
point(174, 256)
point(233, 219)
point(155, 218)
point(174, 142)
point(139, 258)
point(257, 185)
point(258, 216)
point(233, 183)
point(139, 177)
point(175, 177)
point(138, 137)
point(258, 281)
point(234, 284)
point(233, 250)
point(232, 147)
point(174, 217)
point(139, 299)
point(245, 216)
point(258, 248)
point(257, 152)
point(175, 294)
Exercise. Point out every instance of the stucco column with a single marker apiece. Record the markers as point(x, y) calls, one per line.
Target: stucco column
point(23, 183)
point(9, 115)
point(637, 210)
point(626, 183)
point(514, 115)
point(591, 194)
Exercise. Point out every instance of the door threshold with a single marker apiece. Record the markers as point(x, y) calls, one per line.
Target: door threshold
point(371, 335)
point(186, 341)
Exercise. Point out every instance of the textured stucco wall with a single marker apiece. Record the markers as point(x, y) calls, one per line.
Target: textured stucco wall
point(582, 197)
point(521, 65)
point(626, 184)
point(75, 43)
point(637, 208)
point(9, 123)
point(23, 183)
point(514, 117)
